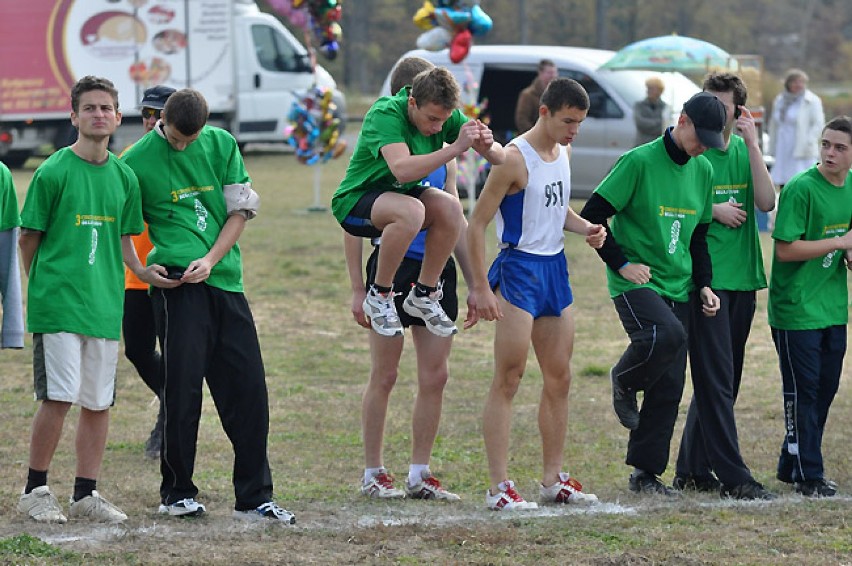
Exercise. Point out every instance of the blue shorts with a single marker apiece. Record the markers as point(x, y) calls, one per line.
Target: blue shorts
point(535, 283)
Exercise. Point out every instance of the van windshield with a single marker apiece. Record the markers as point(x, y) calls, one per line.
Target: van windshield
point(630, 86)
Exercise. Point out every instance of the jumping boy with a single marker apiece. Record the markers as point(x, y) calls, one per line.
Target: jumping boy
point(401, 142)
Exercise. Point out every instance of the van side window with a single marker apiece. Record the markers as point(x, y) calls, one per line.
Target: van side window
point(274, 52)
point(601, 105)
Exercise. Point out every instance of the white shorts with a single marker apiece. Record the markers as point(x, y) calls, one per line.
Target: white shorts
point(73, 368)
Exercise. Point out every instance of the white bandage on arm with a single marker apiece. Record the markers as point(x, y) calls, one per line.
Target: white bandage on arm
point(241, 199)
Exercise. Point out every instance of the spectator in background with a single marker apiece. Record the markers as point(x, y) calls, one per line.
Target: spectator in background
point(649, 113)
point(529, 101)
point(140, 332)
point(794, 128)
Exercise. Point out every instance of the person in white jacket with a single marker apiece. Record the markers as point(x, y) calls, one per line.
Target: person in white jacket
point(794, 128)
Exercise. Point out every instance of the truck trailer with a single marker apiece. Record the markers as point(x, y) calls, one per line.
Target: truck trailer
point(246, 63)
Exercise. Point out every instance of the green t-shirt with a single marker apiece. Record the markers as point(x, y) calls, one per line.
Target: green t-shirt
point(183, 200)
point(76, 281)
point(385, 123)
point(812, 294)
point(735, 252)
point(9, 217)
point(658, 204)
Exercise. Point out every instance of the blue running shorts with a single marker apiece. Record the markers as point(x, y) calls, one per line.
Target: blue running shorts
point(535, 283)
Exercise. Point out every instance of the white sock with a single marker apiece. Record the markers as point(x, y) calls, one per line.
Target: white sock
point(415, 473)
point(370, 473)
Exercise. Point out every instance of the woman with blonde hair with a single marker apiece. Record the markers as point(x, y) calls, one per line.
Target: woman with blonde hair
point(649, 113)
point(794, 128)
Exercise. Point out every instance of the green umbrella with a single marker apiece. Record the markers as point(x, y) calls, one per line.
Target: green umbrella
point(670, 53)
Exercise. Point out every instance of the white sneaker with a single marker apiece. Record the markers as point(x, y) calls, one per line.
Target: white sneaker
point(508, 500)
point(430, 488)
point(188, 507)
point(96, 508)
point(381, 486)
point(566, 490)
point(382, 313)
point(430, 310)
point(269, 511)
point(41, 506)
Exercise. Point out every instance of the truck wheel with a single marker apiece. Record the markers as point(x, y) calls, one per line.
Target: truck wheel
point(16, 159)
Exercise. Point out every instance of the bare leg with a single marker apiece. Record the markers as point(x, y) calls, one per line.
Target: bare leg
point(91, 441)
point(46, 432)
point(384, 353)
point(432, 373)
point(553, 342)
point(400, 218)
point(511, 345)
point(444, 217)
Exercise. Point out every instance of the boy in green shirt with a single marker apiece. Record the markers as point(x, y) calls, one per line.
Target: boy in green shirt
point(197, 198)
point(808, 303)
point(656, 254)
point(717, 344)
point(404, 138)
point(81, 208)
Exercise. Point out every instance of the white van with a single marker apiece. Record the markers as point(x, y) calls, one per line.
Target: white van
point(500, 72)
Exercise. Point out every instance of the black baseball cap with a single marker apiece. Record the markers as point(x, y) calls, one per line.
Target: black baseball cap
point(709, 117)
point(156, 96)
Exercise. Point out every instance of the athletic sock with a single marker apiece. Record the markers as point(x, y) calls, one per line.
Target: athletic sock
point(83, 487)
point(35, 478)
point(382, 289)
point(416, 473)
point(421, 290)
point(370, 473)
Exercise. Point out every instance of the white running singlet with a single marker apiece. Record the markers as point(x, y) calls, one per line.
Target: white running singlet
point(532, 219)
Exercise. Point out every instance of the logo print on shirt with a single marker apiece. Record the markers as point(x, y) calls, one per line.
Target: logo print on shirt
point(94, 246)
point(201, 213)
point(675, 236)
point(829, 259)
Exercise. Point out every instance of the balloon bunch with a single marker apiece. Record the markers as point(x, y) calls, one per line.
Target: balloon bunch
point(314, 130)
point(321, 16)
point(451, 24)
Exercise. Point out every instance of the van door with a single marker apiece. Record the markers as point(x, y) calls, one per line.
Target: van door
point(271, 66)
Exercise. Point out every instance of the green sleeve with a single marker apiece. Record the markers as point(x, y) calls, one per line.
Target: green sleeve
point(792, 214)
point(9, 216)
point(38, 204)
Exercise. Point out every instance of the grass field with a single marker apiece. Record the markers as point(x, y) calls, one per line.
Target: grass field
point(317, 363)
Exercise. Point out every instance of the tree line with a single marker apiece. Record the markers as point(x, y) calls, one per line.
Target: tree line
point(815, 35)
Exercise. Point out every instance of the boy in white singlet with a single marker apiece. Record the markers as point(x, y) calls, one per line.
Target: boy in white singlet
point(527, 290)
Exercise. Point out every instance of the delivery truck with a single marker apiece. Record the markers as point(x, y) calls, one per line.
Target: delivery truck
point(246, 63)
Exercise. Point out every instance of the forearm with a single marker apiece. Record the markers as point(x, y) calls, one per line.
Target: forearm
point(463, 257)
point(29, 242)
point(478, 276)
point(415, 167)
point(231, 231)
point(702, 266)
point(598, 211)
point(576, 224)
point(131, 258)
point(352, 250)
point(764, 188)
point(495, 154)
point(803, 250)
